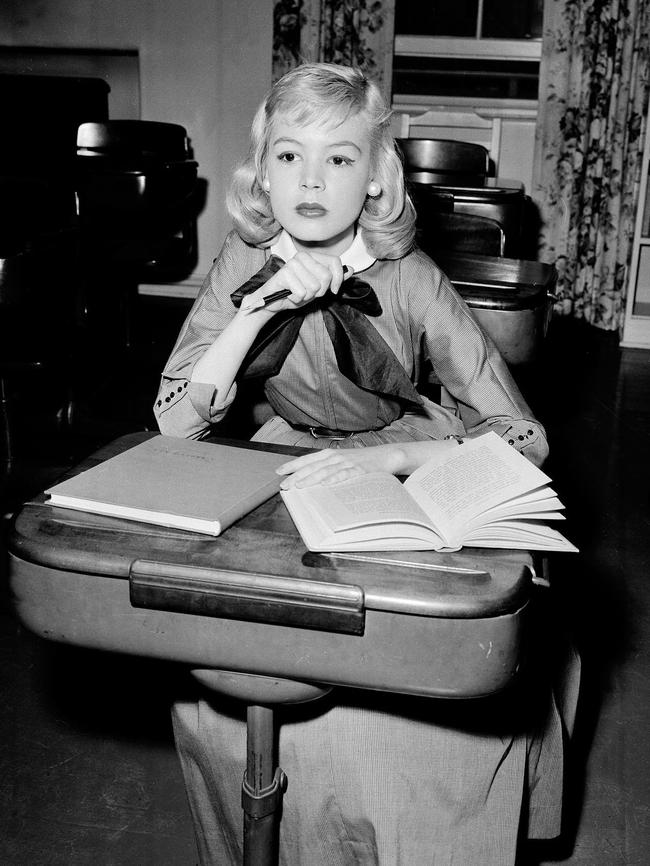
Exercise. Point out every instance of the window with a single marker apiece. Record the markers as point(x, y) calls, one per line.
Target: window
point(487, 51)
point(481, 19)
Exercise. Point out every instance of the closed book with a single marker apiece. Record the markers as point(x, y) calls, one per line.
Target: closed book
point(181, 483)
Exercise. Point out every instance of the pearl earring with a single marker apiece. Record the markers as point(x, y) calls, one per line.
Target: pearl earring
point(266, 184)
point(373, 188)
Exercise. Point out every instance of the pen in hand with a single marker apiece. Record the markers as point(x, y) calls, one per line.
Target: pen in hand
point(250, 304)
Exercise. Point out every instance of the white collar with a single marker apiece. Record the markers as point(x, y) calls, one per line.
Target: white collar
point(356, 256)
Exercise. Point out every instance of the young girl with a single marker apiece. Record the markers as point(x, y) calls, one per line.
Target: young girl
point(323, 188)
point(321, 215)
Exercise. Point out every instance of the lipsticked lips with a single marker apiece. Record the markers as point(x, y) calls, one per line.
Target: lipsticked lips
point(310, 208)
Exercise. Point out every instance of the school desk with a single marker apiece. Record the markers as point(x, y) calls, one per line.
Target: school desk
point(252, 613)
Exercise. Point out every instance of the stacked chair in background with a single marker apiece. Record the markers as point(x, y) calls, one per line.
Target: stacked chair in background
point(39, 249)
point(482, 232)
point(137, 198)
point(89, 208)
point(460, 205)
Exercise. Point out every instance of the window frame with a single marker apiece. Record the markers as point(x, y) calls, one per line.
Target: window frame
point(474, 48)
point(468, 47)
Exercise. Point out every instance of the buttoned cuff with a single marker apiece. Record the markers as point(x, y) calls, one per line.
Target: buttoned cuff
point(188, 409)
point(526, 436)
point(203, 397)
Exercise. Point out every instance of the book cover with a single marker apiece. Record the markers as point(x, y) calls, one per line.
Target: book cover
point(182, 483)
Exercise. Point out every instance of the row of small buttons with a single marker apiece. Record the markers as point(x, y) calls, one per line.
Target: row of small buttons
point(172, 394)
point(521, 438)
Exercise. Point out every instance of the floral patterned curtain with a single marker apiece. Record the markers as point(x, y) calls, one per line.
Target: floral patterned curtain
point(589, 143)
point(353, 32)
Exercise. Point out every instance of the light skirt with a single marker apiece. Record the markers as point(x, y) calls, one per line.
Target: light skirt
point(383, 780)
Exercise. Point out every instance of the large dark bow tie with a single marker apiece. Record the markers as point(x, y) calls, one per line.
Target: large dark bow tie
point(362, 354)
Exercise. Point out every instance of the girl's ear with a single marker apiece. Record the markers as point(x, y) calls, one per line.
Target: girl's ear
point(266, 185)
point(374, 188)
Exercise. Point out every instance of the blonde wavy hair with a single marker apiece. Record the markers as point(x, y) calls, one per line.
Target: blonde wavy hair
point(313, 93)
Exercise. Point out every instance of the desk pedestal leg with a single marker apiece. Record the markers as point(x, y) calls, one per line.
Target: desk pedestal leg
point(264, 783)
point(262, 790)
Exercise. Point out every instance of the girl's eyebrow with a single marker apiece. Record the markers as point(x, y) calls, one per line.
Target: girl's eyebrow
point(345, 144)
point(284, 141)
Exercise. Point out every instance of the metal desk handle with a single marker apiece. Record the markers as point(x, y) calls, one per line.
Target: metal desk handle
point(256, 598)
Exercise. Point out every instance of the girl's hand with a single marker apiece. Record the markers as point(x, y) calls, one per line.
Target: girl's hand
point(307, 276)
point(331, 465)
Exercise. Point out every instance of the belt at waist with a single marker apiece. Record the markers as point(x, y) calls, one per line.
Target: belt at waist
point(325, 432)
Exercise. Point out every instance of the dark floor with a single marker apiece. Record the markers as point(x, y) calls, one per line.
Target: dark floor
point(88, 773)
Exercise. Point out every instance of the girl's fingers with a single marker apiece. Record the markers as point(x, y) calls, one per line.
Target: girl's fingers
point(335, 268)
point(332, 465)
point(306, 477)
point(304, 460)
point(303, 283)
point(307, 277)
point(326, 270)
point(315, 276)
point(343, 474)
point(298, 282)
point(326, 476)
point(297, 479)
point(328, 470)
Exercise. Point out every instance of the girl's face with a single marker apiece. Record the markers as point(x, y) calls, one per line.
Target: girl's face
point(317, 177)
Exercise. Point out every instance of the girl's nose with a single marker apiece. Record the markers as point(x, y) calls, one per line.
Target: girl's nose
point(311, 178)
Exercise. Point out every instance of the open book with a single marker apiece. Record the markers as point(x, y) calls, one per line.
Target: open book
point(482, 494)
point(200, 486)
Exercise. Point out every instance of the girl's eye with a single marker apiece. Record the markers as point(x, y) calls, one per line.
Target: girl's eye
point(342, 160)
point(287, 157)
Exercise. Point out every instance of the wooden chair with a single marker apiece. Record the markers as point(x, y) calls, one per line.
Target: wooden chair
point(445, 157)
point(467, 126)
point(440, 228)
point(460, 233)
point(460, 170)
